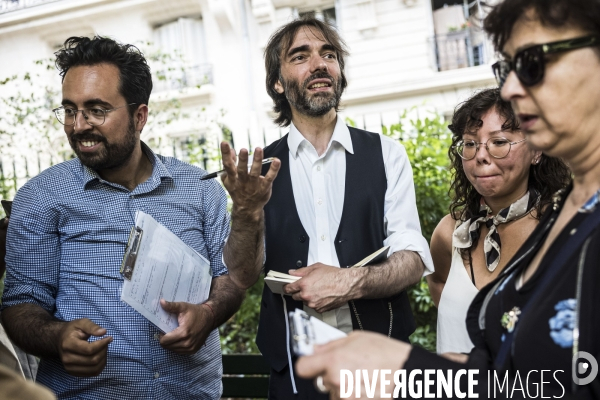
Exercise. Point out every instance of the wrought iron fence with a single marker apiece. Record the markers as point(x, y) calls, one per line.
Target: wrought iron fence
point(460, 49)
point(15, 171)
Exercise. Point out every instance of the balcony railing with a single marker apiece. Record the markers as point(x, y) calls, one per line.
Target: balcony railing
point(14, 5)
point(183, 77)
point(460, 49)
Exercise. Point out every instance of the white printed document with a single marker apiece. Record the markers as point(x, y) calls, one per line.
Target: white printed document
point(158, 265)
point(306, 331)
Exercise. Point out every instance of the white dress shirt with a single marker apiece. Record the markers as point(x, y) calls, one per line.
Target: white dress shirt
point(318, 183)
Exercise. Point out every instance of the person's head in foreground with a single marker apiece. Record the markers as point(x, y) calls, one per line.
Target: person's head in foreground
point(305, 63)
point(550, 72)
point(106, 89)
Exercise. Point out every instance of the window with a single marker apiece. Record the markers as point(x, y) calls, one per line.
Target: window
point(184, 41)
point(459, 41)
point(324, 14)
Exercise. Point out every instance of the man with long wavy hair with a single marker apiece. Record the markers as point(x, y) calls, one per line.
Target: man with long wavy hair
point(341, 194)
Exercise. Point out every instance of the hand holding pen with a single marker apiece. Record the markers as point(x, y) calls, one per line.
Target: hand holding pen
point(217, 173)
point(248, 189)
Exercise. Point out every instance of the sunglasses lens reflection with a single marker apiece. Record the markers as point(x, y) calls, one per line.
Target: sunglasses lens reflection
point(501, 70)
point(528, 64)
point(530, 67)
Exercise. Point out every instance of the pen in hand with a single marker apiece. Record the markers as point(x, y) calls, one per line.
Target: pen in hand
point(215, 174)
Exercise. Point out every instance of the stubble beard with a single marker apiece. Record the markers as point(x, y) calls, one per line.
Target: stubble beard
point(316, 104)
point(110, 155)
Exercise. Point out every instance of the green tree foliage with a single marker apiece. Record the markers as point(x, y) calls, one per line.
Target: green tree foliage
point(239, 333)
point(27, 123)
point(426, 140)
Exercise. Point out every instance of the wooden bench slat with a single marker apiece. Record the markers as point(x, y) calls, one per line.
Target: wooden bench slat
point(246, 387)
point(251, 364)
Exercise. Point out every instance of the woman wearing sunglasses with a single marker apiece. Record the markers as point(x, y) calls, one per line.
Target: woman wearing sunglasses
point(541, 314)
point(499, 191)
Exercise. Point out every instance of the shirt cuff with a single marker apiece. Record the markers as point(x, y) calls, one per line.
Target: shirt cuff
point(411, 242)
point(223, 261)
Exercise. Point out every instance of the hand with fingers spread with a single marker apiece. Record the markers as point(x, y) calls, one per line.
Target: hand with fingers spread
point(196, 321)
point(324, 287)
point(79, 356)
point(359, 351)
point(244, 251)
point(248, 189)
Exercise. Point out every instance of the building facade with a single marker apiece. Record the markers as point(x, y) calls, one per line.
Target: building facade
point(404, 53)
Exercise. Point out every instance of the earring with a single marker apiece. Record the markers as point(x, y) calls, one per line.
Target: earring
point(537, 160)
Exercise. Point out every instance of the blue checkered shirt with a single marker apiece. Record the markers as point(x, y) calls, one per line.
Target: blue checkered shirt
point(66, 239)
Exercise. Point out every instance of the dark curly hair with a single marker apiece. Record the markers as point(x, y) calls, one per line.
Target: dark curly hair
point(584, 14)
point(548, 176)
point(135, 83)
point(280, 42)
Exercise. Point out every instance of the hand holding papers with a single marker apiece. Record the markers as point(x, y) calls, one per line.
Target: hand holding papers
point(276, 280)
point(158, 265)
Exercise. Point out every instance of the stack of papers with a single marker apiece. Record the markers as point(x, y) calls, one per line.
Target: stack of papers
point(276, 280)
point(164, 267)
point(375, 258)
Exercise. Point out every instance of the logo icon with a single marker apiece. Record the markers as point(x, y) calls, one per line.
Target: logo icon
point(588, 367)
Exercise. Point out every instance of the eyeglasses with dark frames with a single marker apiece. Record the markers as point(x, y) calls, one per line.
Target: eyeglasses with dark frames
point(530, 63)
point(94, 116)
point(497, 148)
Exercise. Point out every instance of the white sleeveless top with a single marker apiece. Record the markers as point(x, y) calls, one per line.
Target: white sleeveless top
point(457, 295)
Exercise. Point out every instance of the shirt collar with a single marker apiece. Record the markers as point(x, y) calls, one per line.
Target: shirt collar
point(159, 170)
point(341, 135)
point(591, 204)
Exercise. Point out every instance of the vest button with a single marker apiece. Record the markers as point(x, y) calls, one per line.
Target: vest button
point(299, 263)
point(302, 238)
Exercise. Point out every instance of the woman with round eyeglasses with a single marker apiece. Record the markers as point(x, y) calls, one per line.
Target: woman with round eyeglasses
point(499, 191)
point(535, 328)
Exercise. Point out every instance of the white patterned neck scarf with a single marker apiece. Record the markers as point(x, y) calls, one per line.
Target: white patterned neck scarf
point(468, 232)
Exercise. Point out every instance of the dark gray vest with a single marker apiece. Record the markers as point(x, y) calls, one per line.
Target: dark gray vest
point(360, 233)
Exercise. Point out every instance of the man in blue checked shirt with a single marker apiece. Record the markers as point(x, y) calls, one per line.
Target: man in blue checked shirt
point(69, 228)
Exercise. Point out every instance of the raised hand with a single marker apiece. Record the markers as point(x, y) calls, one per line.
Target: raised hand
point(248, 189)
point(80, 357)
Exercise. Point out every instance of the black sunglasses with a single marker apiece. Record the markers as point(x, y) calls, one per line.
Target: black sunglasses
point(529, 63)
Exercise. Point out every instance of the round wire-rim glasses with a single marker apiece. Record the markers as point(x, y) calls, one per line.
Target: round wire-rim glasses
point(499, 147)
point(94, 116)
